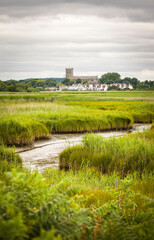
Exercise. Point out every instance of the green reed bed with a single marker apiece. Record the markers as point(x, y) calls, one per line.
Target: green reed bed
point(25, 118)
point(24, 97)
point(78, 96)
point(139, 111)
point(8, 160)
point(121, 155)
point(21, 124)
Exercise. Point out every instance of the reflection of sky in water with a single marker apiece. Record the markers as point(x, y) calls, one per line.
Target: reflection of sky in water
point(45, 153)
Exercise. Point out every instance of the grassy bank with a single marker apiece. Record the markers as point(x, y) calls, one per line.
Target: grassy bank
point(78, 96)
point(74, 205)
point(122, 155)
point(21, 124)
point(8, 160)
point(25, 118)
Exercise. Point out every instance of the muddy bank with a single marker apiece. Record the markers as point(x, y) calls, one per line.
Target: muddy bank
point(45, 153)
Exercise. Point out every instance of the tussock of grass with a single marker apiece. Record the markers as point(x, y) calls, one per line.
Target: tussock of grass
point(27, 117)
point(14, 133)
point(21, 124)
point(122, 155)
point(8, 160)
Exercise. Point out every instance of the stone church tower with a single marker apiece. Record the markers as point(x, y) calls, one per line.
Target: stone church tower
point(69, 73)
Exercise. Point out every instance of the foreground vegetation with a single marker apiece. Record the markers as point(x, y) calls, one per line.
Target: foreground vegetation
point(79, 203)
point(123, 155)
point(26, 118)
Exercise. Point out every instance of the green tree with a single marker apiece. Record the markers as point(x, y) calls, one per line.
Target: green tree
point(50, 83)
point(111, 77)
point(2, 87)
point(11, 82)
point(59, 84)
point(143, 85)
point(71, 82)
point(40, 83)
point(66, 81)
point(151, 84)
point(33, 90)
point(32, 83)
point(133, 81)
point(78, 81)
point(85, 82)
point(11, 88)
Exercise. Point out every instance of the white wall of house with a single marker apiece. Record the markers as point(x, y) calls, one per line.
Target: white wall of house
point(94, 87)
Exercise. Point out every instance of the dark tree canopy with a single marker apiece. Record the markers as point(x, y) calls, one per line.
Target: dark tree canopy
point(66, 81)
point(132, 81)
point(71, 82)
point(78, 81)
point(109, 78)
point(113, 77)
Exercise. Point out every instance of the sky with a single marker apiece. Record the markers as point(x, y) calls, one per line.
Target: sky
point(40, 38)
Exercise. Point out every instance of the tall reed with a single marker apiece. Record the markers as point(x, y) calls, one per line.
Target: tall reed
point(21, 124)
point(27, 117)
point(122, 155)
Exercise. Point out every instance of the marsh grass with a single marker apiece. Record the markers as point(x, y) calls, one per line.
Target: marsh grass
point(13, 132)
point(139, 111)
point(25, 118)
point(78, 96)
point(8, 160)
point(21, 124)
point(123, 155)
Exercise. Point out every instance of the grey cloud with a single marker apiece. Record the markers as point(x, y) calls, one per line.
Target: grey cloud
point(138, 10)
point(118, 3)
point(39, 36)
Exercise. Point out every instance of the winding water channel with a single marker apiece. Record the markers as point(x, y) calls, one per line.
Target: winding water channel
point(45, 153)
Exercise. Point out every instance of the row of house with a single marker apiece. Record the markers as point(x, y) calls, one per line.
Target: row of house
point(90, 87)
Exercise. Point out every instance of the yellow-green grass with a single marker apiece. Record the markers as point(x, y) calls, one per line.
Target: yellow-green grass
point(123, 155)
point(141, 112)
point(8, 160)
point(27, 117)
point(79, 96)
point(22, 123)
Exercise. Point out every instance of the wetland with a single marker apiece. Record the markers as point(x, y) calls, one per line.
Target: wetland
point(105, 141)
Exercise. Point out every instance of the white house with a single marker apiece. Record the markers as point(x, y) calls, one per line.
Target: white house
point(93, 87)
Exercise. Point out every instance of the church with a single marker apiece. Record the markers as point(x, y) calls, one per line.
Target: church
point(70, 75)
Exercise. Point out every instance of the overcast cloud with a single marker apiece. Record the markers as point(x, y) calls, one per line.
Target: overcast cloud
point(39, 38)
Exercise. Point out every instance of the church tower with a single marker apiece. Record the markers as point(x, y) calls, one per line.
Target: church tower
point(69, 73)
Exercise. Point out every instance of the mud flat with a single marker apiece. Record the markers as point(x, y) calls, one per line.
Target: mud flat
point(45, 154)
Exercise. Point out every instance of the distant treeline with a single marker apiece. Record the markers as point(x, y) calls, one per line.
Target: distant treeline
point(113, 77)
point(32, 85)
point(36, 85)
